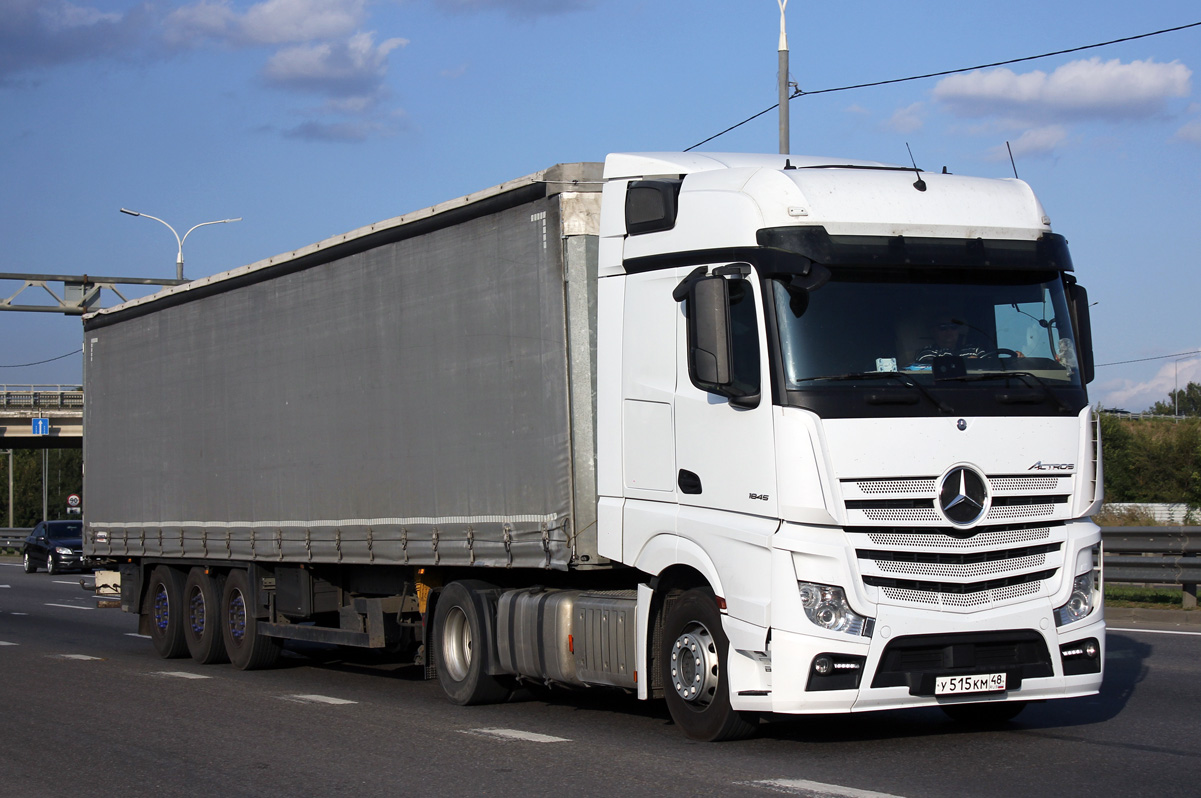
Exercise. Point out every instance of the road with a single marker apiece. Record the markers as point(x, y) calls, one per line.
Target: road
point(89, 709)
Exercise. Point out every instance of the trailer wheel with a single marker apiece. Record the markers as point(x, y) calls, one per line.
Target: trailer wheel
point(164, 605)
point(460, 646)
point(693, 659)
point(202, 625)
point(984, 714)
point(248, 650)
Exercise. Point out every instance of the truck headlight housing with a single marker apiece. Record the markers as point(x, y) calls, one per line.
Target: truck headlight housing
point(1082, 600)
point(826, 606)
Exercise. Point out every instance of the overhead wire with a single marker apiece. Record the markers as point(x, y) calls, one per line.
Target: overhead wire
point(40, 362)
point(801, 93)
point(1145, 359)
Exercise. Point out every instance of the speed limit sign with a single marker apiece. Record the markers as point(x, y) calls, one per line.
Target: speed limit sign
point(73, 500)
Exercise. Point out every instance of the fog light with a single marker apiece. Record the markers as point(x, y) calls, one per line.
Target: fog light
point(835, 672)
point(823, 666)
point(826, 606)
point(1080, 603)
point(1083, 656)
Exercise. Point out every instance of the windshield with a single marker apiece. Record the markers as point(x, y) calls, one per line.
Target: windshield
point(65, 531)
point(960, 325)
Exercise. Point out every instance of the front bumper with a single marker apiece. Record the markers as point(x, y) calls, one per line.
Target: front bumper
point(908, 649)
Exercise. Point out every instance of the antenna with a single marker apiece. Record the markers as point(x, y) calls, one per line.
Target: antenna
point(1011, 162)
point(919, 184)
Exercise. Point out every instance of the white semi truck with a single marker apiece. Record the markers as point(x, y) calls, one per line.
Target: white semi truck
point(757, 434)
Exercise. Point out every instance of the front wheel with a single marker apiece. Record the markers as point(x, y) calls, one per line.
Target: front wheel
point(248, 649)
point(693, 661)
point(51, 566)
point(27, 563)
point(461, 651)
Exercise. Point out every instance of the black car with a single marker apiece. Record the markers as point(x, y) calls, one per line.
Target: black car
point(55, 545)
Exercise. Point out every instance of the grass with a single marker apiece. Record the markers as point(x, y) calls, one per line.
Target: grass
point(1147, 598)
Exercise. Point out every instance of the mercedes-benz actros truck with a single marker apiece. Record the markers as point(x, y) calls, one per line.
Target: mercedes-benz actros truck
point(759, 435)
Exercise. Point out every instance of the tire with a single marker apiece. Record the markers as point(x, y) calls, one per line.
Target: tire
point(202, 626)
point(247, 649)
point(51, 566)
point(164, 606)
point(461, 645)
point(27, 563)
point(693, 662)
point(991, 713)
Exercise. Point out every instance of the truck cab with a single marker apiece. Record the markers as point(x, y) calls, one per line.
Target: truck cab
point(844, 402)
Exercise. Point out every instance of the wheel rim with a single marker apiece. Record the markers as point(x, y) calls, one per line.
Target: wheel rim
point(196, 611)
point(237, 616)
point(456, 644)
point(162, 607)
point(694, 666)
point(26, 560)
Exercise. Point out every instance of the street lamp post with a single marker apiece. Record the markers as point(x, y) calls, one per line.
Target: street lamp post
point(178, 240)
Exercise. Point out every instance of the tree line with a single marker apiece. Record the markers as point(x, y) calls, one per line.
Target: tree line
point(1155, 460)
point(64, 476)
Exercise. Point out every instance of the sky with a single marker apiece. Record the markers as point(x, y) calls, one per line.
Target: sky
point(309, 118)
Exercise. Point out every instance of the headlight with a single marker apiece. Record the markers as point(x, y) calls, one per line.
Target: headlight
point(1080, 604)
point(826, 606)
point(62, 550)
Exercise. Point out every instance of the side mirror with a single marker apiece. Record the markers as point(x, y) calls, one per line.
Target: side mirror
point(1078, 304)
point(723, 351)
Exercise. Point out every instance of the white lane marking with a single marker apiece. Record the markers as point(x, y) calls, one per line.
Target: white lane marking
point(6, 586)
point(83, 657)
point(60, 582)
point(70, 606)
point(514, 734)
point(6, 643)
point(181, 675)
point(135, 634)
point(18, 613)
point(317, 699)
point(1154, 631)
point(815, 789)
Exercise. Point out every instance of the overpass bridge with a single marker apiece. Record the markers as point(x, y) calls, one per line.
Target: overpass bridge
point(41, 416)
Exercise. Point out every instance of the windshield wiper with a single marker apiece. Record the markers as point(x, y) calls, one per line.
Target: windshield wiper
point(899, 376)
point(1025, 376)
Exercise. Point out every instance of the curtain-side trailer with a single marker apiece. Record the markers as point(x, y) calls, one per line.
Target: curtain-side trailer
point(755, 434)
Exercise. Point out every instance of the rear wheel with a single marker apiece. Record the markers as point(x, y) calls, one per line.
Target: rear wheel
point(202, 625)
point(28, 564)
point(248, 650)
point(164, 605)
point(461, 645)
point(693, 659)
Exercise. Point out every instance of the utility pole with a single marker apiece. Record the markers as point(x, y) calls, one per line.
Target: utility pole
point(785, 145)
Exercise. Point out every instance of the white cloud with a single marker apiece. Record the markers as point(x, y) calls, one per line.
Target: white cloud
point(907, 119)
point(1035, 142)
point(65, 16)
point(1079, 90)
point(1190, 132)
point(1125, 394)
point(268, 22)
point(353, 68)
point(519, 8)
point(39, 34)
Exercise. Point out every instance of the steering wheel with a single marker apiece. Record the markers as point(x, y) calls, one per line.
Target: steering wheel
point(998, 352)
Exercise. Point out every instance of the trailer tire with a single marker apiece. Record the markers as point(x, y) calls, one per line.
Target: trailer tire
point(202, 614)
point(164, 607)
point(248, 650)
point(693, 660)
point(461, 645)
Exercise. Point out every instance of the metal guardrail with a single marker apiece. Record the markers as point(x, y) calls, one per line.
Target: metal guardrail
point(13, 538)
point(29, 400)
point(1160, 555)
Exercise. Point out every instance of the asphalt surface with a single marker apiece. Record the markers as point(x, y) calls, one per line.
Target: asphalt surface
point(88, 709)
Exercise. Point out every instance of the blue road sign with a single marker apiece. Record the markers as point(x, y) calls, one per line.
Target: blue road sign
point(41, 426)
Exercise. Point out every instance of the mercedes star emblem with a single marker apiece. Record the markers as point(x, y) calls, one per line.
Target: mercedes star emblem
point(963, 496)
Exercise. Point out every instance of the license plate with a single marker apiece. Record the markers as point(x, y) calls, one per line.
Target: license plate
point(976, 683)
